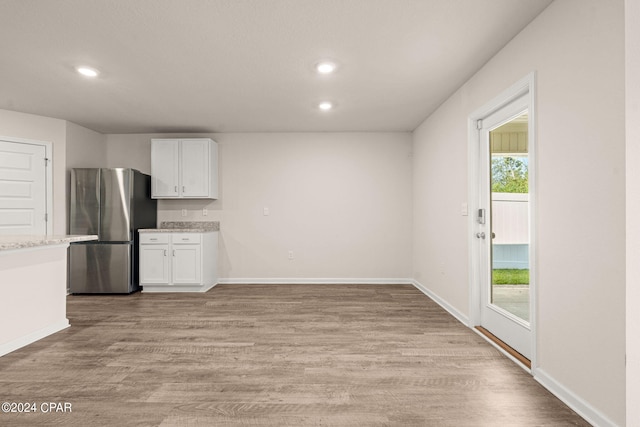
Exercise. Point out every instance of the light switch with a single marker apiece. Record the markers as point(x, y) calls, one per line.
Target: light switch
point(265, 212)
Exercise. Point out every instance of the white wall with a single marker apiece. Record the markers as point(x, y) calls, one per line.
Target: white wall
point(130, 151)
point(340, 201)
point(632, 17)
point(33, 289)
point(85, 149)
point(29, 126)
point(577, 49)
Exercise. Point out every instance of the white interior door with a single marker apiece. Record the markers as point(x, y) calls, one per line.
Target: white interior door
point(23, 188)
point(503, 223)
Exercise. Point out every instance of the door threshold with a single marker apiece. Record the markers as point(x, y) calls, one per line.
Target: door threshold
point(520, 358)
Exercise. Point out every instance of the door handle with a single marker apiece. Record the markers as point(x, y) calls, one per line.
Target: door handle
point(480, 235)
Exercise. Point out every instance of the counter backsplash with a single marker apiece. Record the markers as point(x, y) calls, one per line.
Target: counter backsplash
point(202, 225)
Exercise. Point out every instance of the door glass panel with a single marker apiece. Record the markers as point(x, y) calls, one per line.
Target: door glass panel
point(510, 217)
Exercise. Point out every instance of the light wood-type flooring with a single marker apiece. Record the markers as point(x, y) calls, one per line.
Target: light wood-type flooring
point(272, 355)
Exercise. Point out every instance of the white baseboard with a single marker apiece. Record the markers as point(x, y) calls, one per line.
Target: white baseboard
point(313, 281)
point(442, 303)
point(25, 340)
point(157, 289)
point(584, 409)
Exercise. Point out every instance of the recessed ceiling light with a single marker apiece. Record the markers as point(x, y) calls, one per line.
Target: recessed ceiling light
point(325, 106)
point(88, 72)
point(326, 67)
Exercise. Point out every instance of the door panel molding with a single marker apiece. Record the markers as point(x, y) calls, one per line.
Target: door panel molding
point(48, 149)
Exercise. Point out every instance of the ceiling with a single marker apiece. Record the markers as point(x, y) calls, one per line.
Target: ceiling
point(247, 65)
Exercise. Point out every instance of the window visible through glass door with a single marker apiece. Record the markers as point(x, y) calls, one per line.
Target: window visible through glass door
point(509, 174)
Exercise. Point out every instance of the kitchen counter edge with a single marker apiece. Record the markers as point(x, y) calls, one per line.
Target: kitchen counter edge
point(9, 243)
point(176, 230)
point(184, 227)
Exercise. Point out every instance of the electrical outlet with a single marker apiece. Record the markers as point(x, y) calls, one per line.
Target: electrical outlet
point(205, 212)
point(184, 212)
point(290, 254)
point(265, 211)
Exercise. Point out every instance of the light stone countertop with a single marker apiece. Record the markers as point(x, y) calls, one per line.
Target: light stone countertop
point(184, 227)
point(8, 243)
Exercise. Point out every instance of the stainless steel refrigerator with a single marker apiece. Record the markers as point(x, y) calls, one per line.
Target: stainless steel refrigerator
point(114, 204)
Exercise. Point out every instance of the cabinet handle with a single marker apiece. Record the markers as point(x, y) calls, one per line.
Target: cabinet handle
point(183, 189)
point(154, 239)
point(174, 252)
point(165, 252)
point(175, 189)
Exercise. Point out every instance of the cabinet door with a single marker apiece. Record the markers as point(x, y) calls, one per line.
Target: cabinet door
point(194, 162)
point(186, 265)
point(154, 264)
point(165, 180)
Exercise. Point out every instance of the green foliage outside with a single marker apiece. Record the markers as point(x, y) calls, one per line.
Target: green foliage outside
point(511, 277)
point(509, 175)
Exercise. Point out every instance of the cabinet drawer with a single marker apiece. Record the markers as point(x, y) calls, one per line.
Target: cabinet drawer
point(184, 238)
point(151, 238)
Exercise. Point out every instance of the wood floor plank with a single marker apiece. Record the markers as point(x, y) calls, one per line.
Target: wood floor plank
point(272, 355)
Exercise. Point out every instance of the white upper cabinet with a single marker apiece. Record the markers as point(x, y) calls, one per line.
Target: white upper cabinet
point(184, 168)
point(165, 175)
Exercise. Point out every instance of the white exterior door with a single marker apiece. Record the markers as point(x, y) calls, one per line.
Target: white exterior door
point(502, 238)
point(23, 188)
point(505, 308)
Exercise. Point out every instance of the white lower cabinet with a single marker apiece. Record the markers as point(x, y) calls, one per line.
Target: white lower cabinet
point(178, 262)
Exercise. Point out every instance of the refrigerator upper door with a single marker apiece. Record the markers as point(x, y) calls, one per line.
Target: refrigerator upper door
point(115, 205)
point(84, 206)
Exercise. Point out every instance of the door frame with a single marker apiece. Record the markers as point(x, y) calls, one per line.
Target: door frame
point(48, 149)
point(521, 87)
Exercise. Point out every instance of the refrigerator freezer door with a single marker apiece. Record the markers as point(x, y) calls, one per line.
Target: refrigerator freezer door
point(115, 205)
point(100, 268)
point(84, 212)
